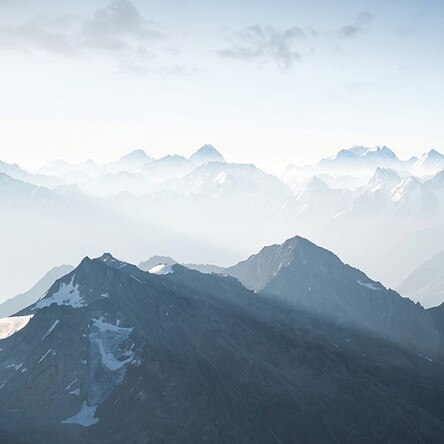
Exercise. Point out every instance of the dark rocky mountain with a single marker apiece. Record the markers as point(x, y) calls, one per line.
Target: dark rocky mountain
point(113, 354)
point(316, 280)
point(21, 301)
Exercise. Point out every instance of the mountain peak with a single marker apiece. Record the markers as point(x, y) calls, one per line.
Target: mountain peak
point(111, 261)
point(383, 177)
point(205, 154)
point(316, 184)
point(434, 154)
point(138, 155)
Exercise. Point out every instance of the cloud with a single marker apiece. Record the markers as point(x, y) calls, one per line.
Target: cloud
point(117, 29)
point(357, 26)
point(265, 44)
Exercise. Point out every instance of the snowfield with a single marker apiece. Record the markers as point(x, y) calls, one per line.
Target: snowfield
point(67, 294)
point(161, 269)
point(11, 325)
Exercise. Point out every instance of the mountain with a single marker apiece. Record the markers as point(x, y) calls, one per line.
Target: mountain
point(200, 213)
point(14, 171)
point(429, 163)
point(114, 354)
point(412, 196)
point(383, 180)
point(40, 227)
point(316, 280)
point(426, 283)
point(362, 160)
point(231, 182)
point(21, 301)
point(315, 203)
point(206, 154)
point(156, 260)
point(132, 162)
point(166, 168)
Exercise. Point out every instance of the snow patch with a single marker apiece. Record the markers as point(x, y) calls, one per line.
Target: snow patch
point(369, 285)
point(85, 417)
point(53, 326)
point(161, 269)
point(425, 357)
point(15, 367)
point(44, 356)
point(107, 338)
point(138, 280)
point(67, 294)
point(221, 177)
point(11, 325)
point(71, 384)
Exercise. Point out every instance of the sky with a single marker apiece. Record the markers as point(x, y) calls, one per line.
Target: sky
point(265, 82)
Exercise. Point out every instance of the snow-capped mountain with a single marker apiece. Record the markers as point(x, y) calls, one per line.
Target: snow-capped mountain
point(363, 160)
point(229, 180)
point(429, 164)
point(132, 162)
point(115, 354)
point(205, 155)
point(357, 163)
point(14, 171)
point(384, 180)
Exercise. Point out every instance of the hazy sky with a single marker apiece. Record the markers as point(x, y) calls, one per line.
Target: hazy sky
point(265, 82)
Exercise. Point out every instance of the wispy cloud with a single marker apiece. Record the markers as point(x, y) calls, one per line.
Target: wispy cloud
point(117, 30)
point(357, 26)
point(266, 44)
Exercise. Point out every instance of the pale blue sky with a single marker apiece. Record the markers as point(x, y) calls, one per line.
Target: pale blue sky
point(265, 82)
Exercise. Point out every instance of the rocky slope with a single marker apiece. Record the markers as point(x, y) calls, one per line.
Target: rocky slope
point(118, 355)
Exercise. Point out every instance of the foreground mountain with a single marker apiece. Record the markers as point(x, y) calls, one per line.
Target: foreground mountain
point(115, 354)
point(426, 283)
point(21, 301)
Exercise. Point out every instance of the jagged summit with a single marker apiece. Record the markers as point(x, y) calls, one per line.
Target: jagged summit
point(135, 155)
point(368, 152)
point(384, 178)
point(206, 154)
point(435, 154)
point(429, 163)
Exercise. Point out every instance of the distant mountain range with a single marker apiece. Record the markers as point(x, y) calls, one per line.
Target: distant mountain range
point(307, 350)
point(378, 212)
